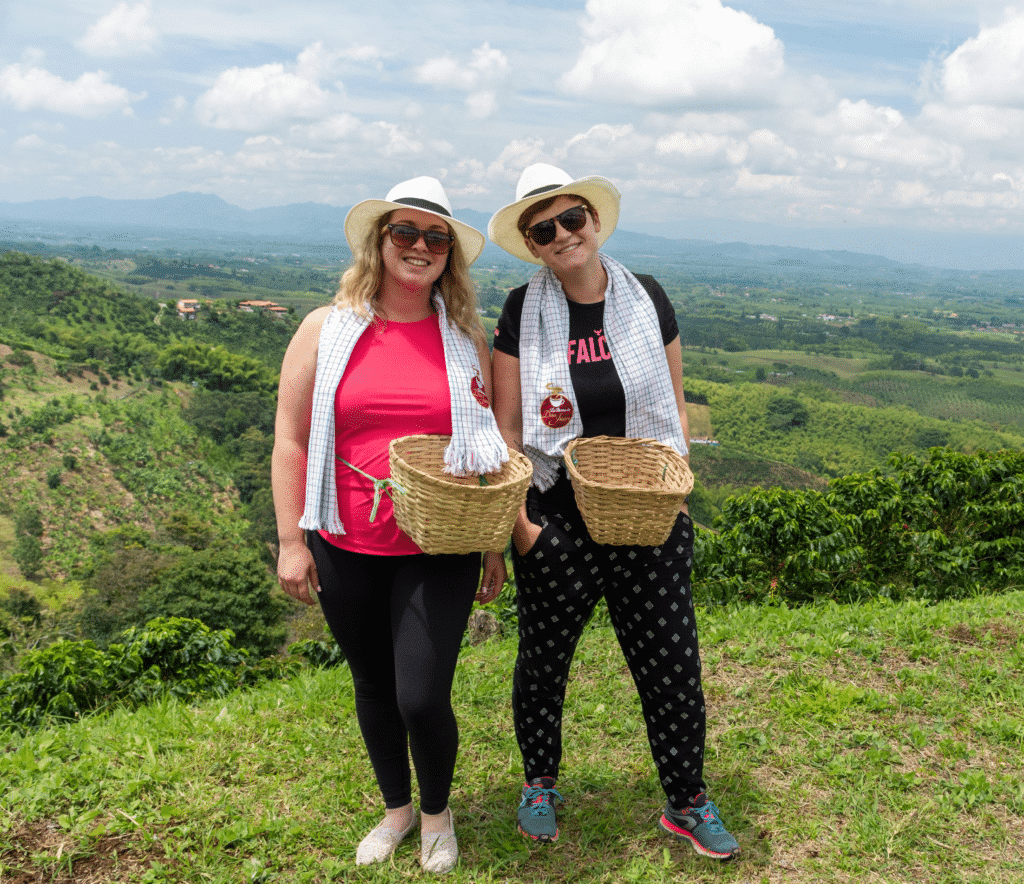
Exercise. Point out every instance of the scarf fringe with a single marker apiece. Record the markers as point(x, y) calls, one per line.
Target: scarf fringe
point(330, 524)
point(545, 467)
point(485, 455)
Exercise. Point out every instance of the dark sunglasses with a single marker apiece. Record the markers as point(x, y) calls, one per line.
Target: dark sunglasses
point(405, 236)
point(571, 220)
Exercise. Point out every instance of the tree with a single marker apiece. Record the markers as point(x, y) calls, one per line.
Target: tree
point(227, 587)
point(112, 601)
point(28, 553)
point(186, 528)
point(785, 412)
point(28, 529)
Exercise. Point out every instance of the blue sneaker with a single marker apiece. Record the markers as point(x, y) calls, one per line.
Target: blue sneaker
point(701, 825)
point(537, 819)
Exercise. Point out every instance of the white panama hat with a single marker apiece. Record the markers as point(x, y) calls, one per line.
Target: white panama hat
point(540, 182)
point(425, 194)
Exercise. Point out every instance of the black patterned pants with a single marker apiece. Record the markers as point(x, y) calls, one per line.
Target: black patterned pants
point(559, 581)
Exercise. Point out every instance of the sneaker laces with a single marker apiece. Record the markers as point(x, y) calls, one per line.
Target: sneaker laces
point(539, 798)
point(710, 814)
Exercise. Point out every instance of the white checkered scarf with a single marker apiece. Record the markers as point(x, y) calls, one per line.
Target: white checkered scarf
point(476, 446)
point(634, 338)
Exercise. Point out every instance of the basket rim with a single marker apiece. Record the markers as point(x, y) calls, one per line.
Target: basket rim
point(626, 441)
point(521, 467)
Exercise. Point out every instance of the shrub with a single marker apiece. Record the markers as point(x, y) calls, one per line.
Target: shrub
point(225, 587)
point(60, 682)
point(324, 655)
point(70, 679)
point(23, 606)
point(21, 359)
point(28, 553)
point(945, 526)
point(186, 657)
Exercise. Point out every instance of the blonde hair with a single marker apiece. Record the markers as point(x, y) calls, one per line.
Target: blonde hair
point(360, 285)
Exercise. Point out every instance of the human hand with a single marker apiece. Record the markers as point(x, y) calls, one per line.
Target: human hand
point(296, 571)
point(525, 534)
point(494, 576)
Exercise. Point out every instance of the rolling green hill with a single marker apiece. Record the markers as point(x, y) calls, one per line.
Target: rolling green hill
point(845, 744)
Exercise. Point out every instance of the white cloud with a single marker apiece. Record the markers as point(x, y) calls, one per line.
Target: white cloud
point(125, 30)
point(486, 69)
point(657, 51)
point(510, 162)
point(174, 108)
point(252, 98)
point(88, 96)
point(1000, 126)
point(989, 68)
point(486, 65)
point(762, 183)
point(886, 140)
point(363, 53)
point(446, 72)
point(316, 62)
point(336, 127)
point(30, 142)
point(392, 141)
point(481, 104)
point(700, 145)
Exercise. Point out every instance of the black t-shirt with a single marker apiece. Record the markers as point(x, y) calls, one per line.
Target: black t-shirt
point(599, 395)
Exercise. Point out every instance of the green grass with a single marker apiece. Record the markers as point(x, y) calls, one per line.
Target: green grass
point(876, 743)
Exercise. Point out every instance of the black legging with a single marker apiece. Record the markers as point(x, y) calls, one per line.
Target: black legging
point(399, 621)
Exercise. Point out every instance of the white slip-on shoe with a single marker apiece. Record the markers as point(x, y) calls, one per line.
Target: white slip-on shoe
point(381, 843)
point(439, 851)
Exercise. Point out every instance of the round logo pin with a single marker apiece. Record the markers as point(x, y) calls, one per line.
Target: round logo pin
point(556, 409)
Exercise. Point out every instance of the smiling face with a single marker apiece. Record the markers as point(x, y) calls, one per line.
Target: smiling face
point(568, 253)
point(414, 269)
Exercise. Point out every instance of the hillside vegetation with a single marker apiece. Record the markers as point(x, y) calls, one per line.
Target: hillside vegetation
point(132, 441)
point(858, 580)
point(134, 451)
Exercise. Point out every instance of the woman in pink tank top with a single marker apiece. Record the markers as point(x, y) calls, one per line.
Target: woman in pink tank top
point(397, 613)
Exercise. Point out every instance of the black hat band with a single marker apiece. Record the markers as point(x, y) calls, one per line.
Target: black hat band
point(418, 203)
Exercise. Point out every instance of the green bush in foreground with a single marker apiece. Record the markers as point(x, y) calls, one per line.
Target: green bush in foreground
point(168, 657)
point(946, 526)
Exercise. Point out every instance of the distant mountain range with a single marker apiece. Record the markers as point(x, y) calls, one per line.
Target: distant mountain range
point(201, 222)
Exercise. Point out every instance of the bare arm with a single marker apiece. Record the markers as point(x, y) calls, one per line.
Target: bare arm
point(508, 410)
point(296, 571)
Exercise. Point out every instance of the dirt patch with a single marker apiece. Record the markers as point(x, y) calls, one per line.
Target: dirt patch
point(108, 859)
point(994, 634)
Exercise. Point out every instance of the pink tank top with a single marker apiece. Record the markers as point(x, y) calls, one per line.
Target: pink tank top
point(395, 384)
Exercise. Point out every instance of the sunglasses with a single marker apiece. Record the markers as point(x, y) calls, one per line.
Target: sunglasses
point(571, 220)
point(405, 236)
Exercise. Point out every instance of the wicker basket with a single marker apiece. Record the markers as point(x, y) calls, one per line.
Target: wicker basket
point(628, 490)
point(454, 514)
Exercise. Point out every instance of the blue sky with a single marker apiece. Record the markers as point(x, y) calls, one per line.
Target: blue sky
point(756, 119)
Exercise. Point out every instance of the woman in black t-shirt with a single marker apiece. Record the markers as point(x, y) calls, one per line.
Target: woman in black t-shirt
point(587, 348)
